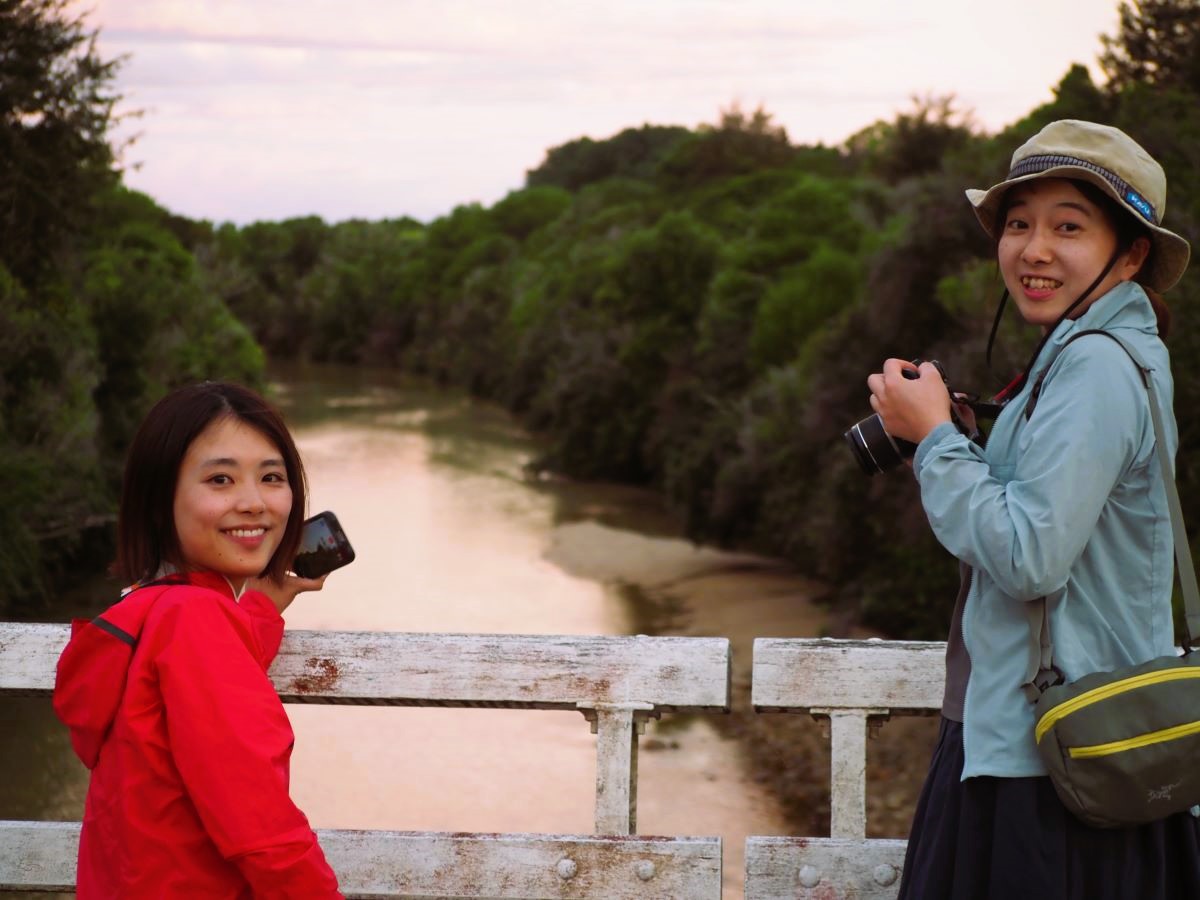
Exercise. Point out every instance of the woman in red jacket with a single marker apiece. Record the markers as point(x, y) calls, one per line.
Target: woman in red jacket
point(166, 693)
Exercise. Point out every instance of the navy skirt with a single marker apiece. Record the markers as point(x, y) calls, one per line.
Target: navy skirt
point(1012, 839)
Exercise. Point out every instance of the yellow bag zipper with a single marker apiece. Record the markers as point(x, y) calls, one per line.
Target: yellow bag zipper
point(1052, 716)
point(1142, 740)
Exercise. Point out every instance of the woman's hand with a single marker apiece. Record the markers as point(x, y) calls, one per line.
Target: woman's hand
point(909, 408)
point(283, 593)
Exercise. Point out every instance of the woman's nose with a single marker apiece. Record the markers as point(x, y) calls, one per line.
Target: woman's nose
point(250, 498)
point(1037, 247)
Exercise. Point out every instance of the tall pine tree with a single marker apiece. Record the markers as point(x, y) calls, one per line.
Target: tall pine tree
point(1158, 44)
point(56, 108)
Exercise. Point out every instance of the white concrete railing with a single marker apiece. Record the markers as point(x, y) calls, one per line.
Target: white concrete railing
point(854, 684)
point(616, 682)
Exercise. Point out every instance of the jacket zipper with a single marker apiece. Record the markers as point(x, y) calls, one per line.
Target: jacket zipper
point(962, 632)
point(1055, 714)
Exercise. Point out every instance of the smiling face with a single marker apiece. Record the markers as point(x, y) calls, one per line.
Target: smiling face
point(232, 501)
point(1054, 243)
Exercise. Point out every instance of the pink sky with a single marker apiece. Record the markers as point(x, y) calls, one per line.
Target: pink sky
point(264, 109)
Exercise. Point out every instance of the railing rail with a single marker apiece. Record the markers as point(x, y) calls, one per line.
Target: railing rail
point(856, 685)
point(616, 682)
point(399, 864)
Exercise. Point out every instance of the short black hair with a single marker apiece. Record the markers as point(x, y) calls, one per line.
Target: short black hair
point(146, 535)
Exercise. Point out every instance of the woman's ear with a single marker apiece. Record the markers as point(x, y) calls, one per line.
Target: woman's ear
point(1135, 258)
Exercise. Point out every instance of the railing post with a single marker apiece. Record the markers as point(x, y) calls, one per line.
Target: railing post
point(616, 726)
point(848, 770)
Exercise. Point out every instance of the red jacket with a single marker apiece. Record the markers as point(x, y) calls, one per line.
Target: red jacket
point(168, 702)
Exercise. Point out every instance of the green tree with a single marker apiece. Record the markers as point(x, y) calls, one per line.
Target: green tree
point(725, 326)
point(739, 143)
point(156, 327)
point(661, 273)
point(556, 283)
point(809, 212)
point(362, 293)
point(259, 271)
point(51, 480)
point(1076, 96)
point(56, 108)
point(523, 212)
point(1158, 44)
point(621, 321)
point(799, 303)
point(916, 143)
point(633, 153)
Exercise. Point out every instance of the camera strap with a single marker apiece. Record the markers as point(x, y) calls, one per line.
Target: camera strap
point(1041, 671)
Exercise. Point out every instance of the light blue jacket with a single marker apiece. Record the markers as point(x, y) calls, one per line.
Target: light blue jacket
point(1068, 505)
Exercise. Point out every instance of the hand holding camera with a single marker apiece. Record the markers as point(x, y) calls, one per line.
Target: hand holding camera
point(910, 410)
point(912, 398)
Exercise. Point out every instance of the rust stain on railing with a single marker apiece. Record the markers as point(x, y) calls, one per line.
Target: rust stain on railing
point(321, 677)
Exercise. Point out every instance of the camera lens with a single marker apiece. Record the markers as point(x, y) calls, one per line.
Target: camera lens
point(874, 448)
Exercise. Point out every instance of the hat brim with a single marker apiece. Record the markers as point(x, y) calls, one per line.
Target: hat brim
point(1171, 252)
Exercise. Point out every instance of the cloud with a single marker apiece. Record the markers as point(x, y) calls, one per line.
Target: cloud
point(470, 93)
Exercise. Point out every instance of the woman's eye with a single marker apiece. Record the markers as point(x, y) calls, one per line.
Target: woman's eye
point(220, 479)
point(1015, 224)
point(1069, 227)
point(275, 477)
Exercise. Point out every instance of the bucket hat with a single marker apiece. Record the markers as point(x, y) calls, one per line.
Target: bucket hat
point(1115, 163)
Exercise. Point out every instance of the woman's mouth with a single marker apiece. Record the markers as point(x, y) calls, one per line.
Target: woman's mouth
point(1037, 286)
point(248, 536)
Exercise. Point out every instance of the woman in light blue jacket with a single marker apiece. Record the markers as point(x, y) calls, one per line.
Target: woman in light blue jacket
point(1065, 503)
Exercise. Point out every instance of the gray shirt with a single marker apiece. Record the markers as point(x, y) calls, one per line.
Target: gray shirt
point(958, 663)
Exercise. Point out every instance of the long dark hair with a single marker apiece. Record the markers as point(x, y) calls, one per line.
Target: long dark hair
point(146, 535)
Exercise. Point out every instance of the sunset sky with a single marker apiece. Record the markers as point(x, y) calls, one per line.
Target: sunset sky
point(264, 109)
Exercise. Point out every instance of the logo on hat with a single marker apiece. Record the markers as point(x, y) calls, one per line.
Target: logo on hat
point(1134, 199)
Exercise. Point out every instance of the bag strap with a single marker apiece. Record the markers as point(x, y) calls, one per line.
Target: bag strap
point(1041, 672)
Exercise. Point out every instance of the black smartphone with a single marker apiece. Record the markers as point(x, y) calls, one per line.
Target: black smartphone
point(323, 547)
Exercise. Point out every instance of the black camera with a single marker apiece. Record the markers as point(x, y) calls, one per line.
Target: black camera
point(878, 451)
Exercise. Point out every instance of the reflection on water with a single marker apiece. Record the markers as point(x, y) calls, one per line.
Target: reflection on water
point(451, 535)
point(42, 777)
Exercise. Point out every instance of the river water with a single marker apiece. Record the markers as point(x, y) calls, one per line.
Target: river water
point(452, 535)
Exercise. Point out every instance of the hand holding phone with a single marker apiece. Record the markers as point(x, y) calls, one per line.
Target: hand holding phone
point(323, 547)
